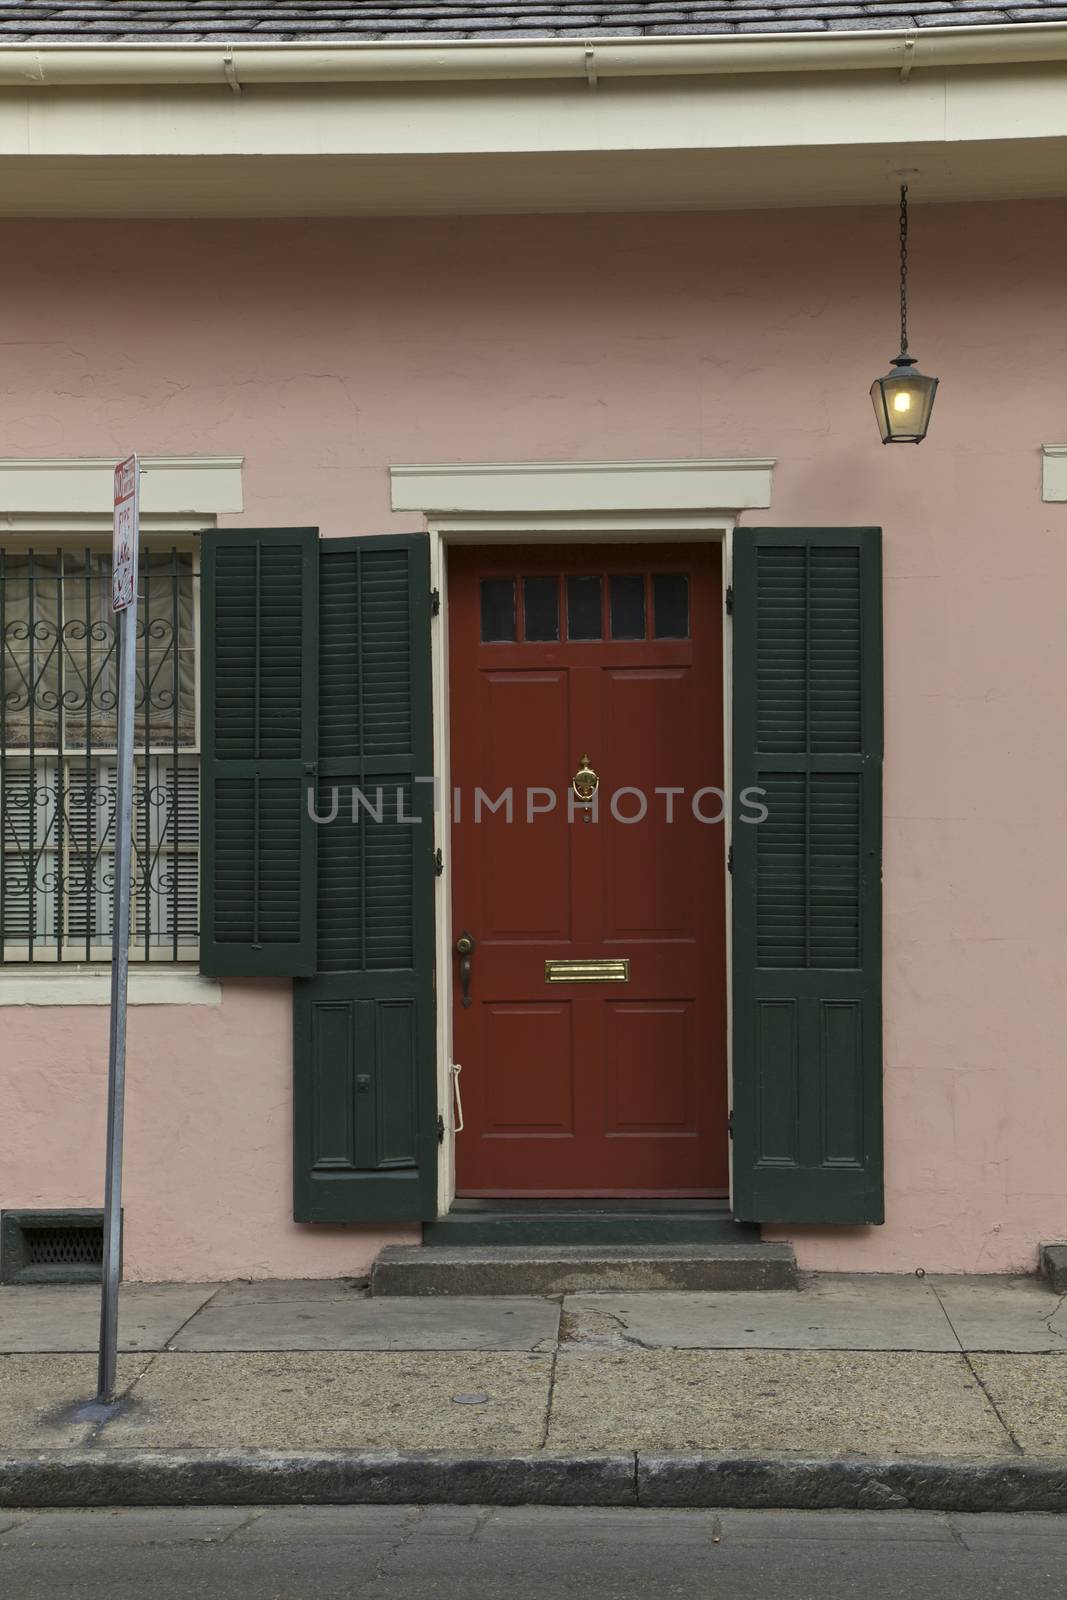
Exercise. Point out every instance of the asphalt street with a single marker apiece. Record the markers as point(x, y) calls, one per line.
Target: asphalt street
point(444, 1553)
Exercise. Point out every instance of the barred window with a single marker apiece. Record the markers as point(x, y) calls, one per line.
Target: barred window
point(58, 730)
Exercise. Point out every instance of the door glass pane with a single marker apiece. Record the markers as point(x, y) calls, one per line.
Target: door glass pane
point(540, 603)
point(628, 606)
point(670, 603)
point(498, 610)
point(584, 619)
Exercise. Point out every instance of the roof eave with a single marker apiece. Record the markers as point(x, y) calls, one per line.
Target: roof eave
point(60, 65)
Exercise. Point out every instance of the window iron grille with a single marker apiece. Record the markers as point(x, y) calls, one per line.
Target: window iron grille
point(58, 733)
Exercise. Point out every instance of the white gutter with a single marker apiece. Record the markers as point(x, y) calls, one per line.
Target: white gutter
point(901, 50)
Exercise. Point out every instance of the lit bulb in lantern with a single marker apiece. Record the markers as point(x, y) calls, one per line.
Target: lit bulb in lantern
point(902, 401)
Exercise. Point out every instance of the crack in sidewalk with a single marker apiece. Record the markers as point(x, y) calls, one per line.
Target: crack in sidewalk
point(550, 1398)
point(126, 1393)
point(1061, 1305)
point(977, 1376)
point(169, 1346)
point(581, 1328)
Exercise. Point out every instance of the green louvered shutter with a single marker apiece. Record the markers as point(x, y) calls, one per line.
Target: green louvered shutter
point(365, 1091)
point(807, 945)
point(259, 606)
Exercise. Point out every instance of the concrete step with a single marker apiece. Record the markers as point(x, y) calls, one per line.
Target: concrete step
point(592, 1225)
point(569, 1269)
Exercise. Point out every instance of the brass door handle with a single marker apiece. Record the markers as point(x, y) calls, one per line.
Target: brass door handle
point(464, 950)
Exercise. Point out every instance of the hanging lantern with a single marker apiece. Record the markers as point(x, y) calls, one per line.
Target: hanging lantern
point(904, 398)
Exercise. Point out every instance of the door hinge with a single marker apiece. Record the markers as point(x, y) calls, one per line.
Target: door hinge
point(730, 859)
point(730, 1123)
point(435, 602)
point(729, 599)
point(438, 863)
point(440, 1130)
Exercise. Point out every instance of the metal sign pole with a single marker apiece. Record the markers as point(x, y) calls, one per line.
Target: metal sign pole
point(124, 603)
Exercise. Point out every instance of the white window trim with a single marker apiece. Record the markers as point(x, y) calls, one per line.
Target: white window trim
point(180, 495)
point(1054, 472)
point(554, 502)
point(90, 985)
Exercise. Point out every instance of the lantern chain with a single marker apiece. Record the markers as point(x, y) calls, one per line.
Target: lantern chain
point(903, 269)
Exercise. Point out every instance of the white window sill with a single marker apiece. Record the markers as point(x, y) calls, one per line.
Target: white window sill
point(91, 986)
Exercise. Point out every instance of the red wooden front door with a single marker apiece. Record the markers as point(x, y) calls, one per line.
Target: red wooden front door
point(602, 1087)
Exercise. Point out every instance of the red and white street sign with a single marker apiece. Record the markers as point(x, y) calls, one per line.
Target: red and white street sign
point(127, 533)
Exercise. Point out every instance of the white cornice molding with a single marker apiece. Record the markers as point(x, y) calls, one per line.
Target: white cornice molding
point(420, 129)
point(1054, 472)
point(83, 485)
point(532, 487)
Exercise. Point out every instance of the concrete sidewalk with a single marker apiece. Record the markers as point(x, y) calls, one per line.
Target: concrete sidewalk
point(942, 1387)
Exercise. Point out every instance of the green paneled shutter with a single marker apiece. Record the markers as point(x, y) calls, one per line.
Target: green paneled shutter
point(365, 1090)
point(259, 730)
point(807, 944)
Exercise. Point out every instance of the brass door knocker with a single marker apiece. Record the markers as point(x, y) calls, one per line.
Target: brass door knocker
point(585, 782)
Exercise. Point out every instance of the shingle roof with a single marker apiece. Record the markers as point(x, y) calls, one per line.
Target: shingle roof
point(371, 21)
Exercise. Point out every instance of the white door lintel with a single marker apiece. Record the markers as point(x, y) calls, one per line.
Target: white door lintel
point(529, 488)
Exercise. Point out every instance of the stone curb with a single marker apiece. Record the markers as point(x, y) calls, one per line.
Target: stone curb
point(319, 1477)
point(789, 1483)
point(273, 1477)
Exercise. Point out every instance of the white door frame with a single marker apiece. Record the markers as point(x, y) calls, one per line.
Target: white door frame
point(512, 520)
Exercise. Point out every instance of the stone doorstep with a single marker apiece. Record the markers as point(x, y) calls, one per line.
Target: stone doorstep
point(570, 1269)
point(591, 1225)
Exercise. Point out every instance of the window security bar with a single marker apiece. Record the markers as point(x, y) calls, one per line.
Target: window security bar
point(58, 705)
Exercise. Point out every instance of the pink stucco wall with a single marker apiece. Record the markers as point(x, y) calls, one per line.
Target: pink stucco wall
point(324, 351)
point(207, 1188)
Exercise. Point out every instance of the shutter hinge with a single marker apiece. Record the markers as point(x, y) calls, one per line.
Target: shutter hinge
point(730, 1123)
point(435, 602)
point(438, 863)
point(729, 599)
point(730, 859)
point(440, 1130)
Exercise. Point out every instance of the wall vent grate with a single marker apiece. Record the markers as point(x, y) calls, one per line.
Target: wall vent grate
point(51, 1246)
point(65, 1247)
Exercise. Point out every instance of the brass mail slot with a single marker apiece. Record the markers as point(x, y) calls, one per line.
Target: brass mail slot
point(588, 971)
